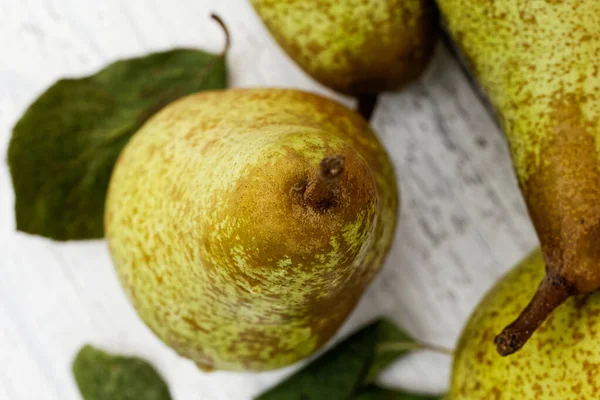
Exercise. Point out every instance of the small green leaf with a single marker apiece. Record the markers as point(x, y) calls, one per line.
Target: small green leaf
point(377, 393)
point(65, 145)
point(102, 376)
point(338, 373)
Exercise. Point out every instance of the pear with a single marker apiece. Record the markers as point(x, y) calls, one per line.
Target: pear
point(355, 47)
point(244, 225)
point(539, 63)
point(561, 360)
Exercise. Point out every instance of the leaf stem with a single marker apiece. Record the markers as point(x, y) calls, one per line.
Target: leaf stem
point(225, 31)
point(412, 346)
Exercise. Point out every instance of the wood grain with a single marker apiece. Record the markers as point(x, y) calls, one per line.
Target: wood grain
point(463, 220)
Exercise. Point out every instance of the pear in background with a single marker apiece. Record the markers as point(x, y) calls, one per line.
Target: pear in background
point(561, 361)
point(539, 62)
point(245, 224)
point(355, 47)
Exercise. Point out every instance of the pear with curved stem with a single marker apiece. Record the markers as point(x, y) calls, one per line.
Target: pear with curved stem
point(538, 62)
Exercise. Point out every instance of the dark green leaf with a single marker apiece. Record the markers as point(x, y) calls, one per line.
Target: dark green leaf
point(338, 373)
point(102, 376)
point(377, 393)
point(64, 147)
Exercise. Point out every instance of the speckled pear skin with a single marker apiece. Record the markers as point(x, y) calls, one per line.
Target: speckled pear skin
point(539, 63)
point(355, 47)
point(561, 360)
point(215, 250)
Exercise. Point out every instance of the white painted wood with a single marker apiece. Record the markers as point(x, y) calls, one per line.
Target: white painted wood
point(463, 220)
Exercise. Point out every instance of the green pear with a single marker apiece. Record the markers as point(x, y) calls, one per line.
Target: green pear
point(244, 225)
point(539, 63)
point(355, 47)
point(561, 360)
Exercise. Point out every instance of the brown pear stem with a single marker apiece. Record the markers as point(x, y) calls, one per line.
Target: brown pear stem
point(366, 105)
point(321, 188)
point(225, 31)
point(551, 293)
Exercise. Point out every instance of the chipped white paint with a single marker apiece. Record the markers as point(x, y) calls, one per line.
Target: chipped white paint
point(463, 220)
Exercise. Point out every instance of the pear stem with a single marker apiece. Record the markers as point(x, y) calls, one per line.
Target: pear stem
point(321, 188)
point(551, 293)
point(225, 31)
point(366, 105)
point(411, 346)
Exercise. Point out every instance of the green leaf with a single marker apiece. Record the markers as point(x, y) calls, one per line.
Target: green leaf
point(378, 393)
point(102, 376)
point(65, 145)
point(338, 373)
